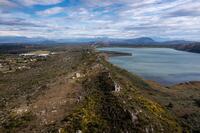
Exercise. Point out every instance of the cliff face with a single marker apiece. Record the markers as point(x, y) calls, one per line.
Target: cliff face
point(79, 91)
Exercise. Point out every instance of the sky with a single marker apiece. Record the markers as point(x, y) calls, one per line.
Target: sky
point(62, 19)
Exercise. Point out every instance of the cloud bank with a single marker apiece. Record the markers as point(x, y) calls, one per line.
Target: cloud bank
point(175, 19)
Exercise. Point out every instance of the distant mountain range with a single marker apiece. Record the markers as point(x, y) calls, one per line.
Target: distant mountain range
point(106, 41)
point(19, 39)
point(142, 41)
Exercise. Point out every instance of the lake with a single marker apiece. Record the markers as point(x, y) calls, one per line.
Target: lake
point(164, 65)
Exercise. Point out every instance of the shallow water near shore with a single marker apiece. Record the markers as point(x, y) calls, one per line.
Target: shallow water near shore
point(164, 65)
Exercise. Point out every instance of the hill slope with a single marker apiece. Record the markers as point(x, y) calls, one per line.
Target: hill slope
point(78, 91)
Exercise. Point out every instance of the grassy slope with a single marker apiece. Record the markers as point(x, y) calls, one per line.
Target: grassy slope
point(23, 89)
point(126, 111)
point(182, 100)
point(98, 107)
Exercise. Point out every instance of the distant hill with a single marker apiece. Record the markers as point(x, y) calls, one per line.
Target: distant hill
point(27, 40)
point(175, 42)
point(142, 40)
point(21, 39)
point(134, 41)
point(98, 41)
point(125, 42)
point(194, 47)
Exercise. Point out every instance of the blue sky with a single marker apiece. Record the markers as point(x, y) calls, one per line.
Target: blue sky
point(58, 19)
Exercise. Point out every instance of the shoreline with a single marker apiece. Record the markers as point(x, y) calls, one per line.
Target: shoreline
point(176, 47)
point(116, 53)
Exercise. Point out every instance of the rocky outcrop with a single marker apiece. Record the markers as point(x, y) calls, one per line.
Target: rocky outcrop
point(117, 87)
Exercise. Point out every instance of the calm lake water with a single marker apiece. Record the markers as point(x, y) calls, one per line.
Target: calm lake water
point(164, 65)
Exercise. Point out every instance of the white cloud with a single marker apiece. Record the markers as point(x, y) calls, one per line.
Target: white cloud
point(51, 11)
point(113, 18)
point(39, 2)
point(7, 3)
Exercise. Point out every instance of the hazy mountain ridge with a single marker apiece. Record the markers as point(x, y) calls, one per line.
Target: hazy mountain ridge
point(140, 40)
point(20, 39)
point(184, 45)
